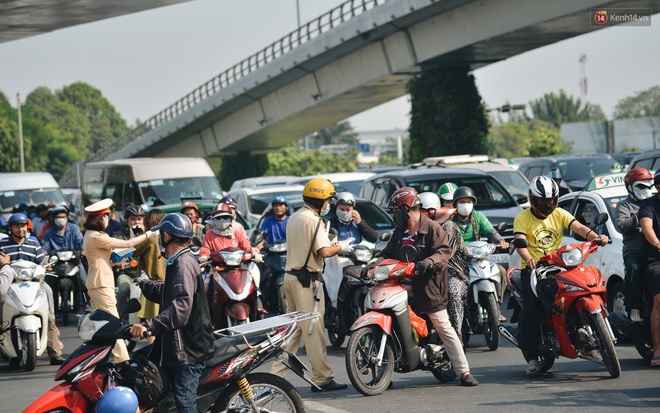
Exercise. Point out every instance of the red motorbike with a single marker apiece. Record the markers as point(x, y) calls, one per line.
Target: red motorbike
point(228, 382)
point(572, 313)
point(235, 292)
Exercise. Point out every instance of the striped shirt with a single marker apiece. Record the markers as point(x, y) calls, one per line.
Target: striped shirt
point(29, 250)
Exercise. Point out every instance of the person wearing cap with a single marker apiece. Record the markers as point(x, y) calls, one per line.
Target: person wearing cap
point(305, 238)
point(19, 246)
point(231, 202)
point(649, 220)
point(190, 210)
point(563, 187)
point(349, 223)
point(275, 225)
point(183, 329)
point(100, 278)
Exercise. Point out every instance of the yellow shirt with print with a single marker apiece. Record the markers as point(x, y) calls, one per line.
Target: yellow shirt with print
point(544, 235)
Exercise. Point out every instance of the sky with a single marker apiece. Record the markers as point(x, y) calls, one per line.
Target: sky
point(143, 62)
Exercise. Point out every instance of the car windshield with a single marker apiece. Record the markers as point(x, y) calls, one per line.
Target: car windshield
point(371, 213)
point(11, 199)
point(349, 186)
point(611, 208)
point(259, 202)
point(170, 191)
point(490, 194)
point(512, 181)
point(585, 168)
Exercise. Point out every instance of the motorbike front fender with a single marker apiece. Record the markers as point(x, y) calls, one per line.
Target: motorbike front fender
point(63, 396)
point(486, 286)
point(590, 303)
point(29, 323)
point(384, 321)
point(239, 311)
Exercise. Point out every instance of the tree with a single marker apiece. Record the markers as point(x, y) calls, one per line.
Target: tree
point(448, 116)
point(300, 162)
point(562, 108)
point(644, 103)
point(509, 140)
point(546, 141)
point(9, 145)
point(336, 134)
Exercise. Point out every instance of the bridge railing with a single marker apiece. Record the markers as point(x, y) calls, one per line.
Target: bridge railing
point(340, 14)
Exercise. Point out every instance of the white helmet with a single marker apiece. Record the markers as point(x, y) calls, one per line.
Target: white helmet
point(543, 195)
point(429, 200)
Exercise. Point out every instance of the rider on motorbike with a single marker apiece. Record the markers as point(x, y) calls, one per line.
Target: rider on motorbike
point(190, 210)
point(429, 286)
point(348, 221)
point(446, 193)
point(275, 225)
point(124, 272)
point(542, 226)
point(457, 265)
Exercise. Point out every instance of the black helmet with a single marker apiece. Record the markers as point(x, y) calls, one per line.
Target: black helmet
point(464, 192)
point(17, 218)
point(543, 195)
point(131, 210)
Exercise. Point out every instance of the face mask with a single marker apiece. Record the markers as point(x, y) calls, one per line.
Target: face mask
point(643, 190)
point(464, 209)
point(344, 216)
point(325, 210)
point(222, 223)
point(401, 218)
point(60, 222)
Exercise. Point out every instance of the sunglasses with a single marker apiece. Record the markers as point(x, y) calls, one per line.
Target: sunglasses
point(641, 186)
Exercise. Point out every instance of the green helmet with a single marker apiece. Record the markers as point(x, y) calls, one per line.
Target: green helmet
point(446, 191)
point(464, 192)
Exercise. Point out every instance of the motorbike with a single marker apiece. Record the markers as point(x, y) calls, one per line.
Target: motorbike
point(228, 382)
point(235, 292)
point(390, 337)
point(64, 280)
point(24, 326)
point(482, 311)
point(638, 333)
point(275, 268)
point(348, 303)
point(572, 312)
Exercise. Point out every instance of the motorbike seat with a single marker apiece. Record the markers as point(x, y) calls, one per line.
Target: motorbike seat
point(228, 347)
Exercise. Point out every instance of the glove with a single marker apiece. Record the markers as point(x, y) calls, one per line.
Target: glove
point(346, 245)
point(152, 234)
point(203, 259)
point(421, 267)
point(364, 273)
point(258, 258)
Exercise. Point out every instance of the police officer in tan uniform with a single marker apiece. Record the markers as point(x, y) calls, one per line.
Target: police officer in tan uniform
point(301, 289)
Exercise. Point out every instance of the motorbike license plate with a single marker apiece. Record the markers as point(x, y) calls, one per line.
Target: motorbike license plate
point(499, 258)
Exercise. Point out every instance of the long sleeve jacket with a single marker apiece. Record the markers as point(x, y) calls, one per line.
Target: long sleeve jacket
point(628, 223)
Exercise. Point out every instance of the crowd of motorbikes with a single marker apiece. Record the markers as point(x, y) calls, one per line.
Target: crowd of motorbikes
point(385, 335)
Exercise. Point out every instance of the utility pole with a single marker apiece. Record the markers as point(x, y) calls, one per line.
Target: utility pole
point(20, 132)
point(583, 75)
point(298, 12)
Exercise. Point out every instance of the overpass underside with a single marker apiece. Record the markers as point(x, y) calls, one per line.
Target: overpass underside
point(363, 63)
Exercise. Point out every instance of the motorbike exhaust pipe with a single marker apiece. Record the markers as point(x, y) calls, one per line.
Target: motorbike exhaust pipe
point(507, 334)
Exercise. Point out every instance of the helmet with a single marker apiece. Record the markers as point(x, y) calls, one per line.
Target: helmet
point(222, 211)
point(319, 188)
point(555, 174)
point(405, 196)
point(345, 198)
point(17, 218)
point(58, 209)
point(543, 195)
point(429, 200)
point(23, 205)
point(446, 191)
point(280, 199)
point(642, 190)
point(187, 205)
point(229, 201)
point(119, 399)
point(175, 224)
point(131, 210)
point(464, 192)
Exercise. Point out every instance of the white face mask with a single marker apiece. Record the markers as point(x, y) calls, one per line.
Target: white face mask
point(464, 209)
point(344, 216)
point(643, 190)
point(60, 222)
point(106, 221)
point(325, 210)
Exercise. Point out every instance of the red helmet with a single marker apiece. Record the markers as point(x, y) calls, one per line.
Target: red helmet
point(405, 196)
point(637, 174)
point(642, 190)
point(221, 211)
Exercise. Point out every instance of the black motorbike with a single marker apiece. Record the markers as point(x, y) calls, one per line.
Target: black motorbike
point(64, 279)
point(273, 277)
point(638, 333)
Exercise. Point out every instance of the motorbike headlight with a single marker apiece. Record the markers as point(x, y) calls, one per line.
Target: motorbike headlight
point(480, 249)
point(362, 254)
point(232, 258)
point(65, 255)
point(25, 274)
point(572, 258)
point(571, 288)
point(279, 247)
point(382, 272)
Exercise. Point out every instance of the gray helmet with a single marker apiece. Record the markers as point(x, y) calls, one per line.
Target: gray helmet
point(345, 198)
point(464, 192)
point(131, 210)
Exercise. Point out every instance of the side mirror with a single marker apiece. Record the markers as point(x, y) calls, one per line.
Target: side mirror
point(601, 218)
point(132, 306)
point(385, 236)
point(501, 227)
point(519, 198)
point(408, 252)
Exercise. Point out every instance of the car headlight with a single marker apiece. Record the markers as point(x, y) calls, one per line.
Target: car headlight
point(65, 255)
point(281, 247)
point(232, 258)
point(480, 249)
point(362, 254)
point(572, 257)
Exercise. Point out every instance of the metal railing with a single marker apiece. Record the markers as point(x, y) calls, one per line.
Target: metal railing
point(340, 14)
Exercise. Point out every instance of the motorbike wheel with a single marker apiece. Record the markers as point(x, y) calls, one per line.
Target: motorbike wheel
point(444, 372)
point(271, 394)
point(66, 305)
point(644, 350)
point(606, 346)
point(491, 329)
point(361, 352)
point(29, 351)
point(335, 336)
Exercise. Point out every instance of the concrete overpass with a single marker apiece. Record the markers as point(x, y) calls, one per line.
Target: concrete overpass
point(23, 18)
point(354, 58)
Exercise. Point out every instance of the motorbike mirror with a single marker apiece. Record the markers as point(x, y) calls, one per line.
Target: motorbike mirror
point(520, 243)
point(502, 226)
point(53, 259)
point(132, 306)
point(601, 218)
point(408, 253)
point(257, 236)
point(385, 236)
point(520, 198)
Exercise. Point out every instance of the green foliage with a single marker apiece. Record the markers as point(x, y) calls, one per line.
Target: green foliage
point(526, 138)
point(338, 133)
point(9, 145)
point(562, 108)
point(448, 116)
point(645, 103)
point(389, 157)
point(546, 141)
point(301, 162)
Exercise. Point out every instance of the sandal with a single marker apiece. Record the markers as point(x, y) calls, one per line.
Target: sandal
point(502, 319)
point(532, 369)
point(655, 362)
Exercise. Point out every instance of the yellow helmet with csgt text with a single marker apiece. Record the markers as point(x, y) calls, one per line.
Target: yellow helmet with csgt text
point(319, 188)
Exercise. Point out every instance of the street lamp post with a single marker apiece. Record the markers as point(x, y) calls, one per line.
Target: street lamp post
point(20, 133)
point(508, 108)
point(298, 12)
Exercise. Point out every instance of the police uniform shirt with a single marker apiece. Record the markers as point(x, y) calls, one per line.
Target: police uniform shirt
point(299, 232)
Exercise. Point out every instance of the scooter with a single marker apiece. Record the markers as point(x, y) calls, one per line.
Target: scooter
point(572, 312)
point(273, 280)
point(63, 279)
point(638, 333)
point(25, 316)
point(482, 312)
point(347, 303)
point(391, 337)
point(228, 382)
point(235, 292)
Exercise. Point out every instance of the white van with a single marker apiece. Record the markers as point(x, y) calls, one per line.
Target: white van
point(142, 181)
point(33, 188)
